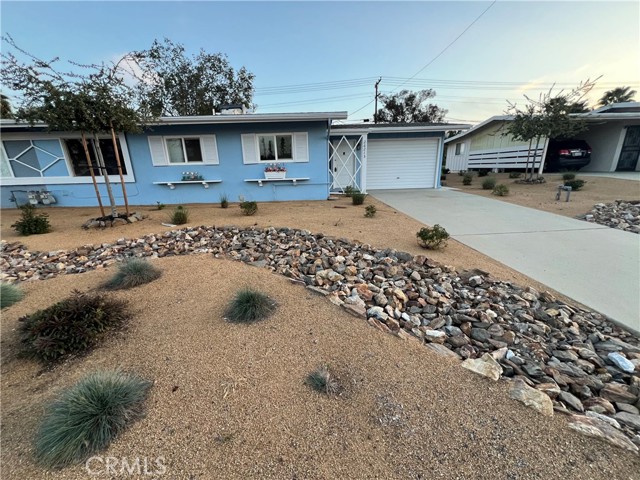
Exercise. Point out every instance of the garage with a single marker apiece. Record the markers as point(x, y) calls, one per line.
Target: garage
point(402, 163)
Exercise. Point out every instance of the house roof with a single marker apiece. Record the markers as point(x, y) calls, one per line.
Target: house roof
point(397, 127)
point(481, 125)
point(624, 107)
point(220, 118)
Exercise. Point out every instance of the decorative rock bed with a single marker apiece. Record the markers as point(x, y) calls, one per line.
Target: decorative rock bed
point(578, 358)
point(112, 221)
point(623, 215)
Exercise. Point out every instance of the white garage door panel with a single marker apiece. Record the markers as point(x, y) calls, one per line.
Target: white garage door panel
point(407, 163)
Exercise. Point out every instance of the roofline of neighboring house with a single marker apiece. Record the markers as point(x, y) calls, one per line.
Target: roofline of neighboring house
point(495, 118)
point(344, 129)
point(617, 105)
point(221, 119)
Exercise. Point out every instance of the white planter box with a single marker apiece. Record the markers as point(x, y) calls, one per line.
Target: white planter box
point(275, 175)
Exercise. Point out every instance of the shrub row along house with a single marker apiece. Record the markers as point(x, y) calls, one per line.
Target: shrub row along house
point(613, 133)
point(257, 157)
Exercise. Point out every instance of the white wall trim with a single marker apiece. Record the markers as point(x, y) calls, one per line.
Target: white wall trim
point(616, 155)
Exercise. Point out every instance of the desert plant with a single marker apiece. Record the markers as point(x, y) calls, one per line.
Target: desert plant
point(9, 294)
point(432, 238)
point(322, 380)
point(224, 201)
point(71, 326)
point(467, 178)
point(31, 223)
point(488, 183)
point(515, 174)
point(568, 176)
point(357, 198)
point(370, 211)
point(462, 173)
point(575, 185)
point(134, 272)
point(88, 416)
point(249, 305)
point(249, 208)
point(483, 173)
point(160, 206)
point(180, 215)
point(348, 190)
point(501, 190)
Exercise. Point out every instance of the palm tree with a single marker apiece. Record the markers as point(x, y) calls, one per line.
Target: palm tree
point(617, 95)
point(5, 107)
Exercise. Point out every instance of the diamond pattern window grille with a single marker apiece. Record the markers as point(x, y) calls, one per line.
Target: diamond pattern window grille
point(30, 158)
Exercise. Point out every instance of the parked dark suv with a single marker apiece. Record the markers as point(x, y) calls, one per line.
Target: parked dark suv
point(567, 155)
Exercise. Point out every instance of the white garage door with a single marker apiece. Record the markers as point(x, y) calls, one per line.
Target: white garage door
point(405, 163)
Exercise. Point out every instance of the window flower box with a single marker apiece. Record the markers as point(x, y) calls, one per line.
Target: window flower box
point(275, 172)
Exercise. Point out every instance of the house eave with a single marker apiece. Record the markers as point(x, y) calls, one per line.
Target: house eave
point(335, 129)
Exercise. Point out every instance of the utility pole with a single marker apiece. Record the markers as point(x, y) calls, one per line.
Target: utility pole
point(375, 112)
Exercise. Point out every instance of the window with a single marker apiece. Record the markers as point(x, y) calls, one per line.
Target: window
point(459, 148)
point(79, 162)
point(184, 150)
point(275, 148)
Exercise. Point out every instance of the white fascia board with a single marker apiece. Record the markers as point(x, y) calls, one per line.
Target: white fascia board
point(335, 129)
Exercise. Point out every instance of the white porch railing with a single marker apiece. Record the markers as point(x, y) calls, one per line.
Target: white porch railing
point(512, 157)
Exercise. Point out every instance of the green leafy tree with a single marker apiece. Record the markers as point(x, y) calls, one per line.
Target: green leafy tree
point(172, 83)
point(617, 95)
point(5, 107)
point(409, 107)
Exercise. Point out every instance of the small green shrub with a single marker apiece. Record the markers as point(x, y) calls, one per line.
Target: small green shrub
point(467, 179)
point(568, 176)
point(462, 173)
point(488, 183)
point(88, 416)
point(9, 294)
point(501, 190)
point(160, 206)
point(250, 306)
point(370, 211)
point(72, 326)
point(249, 208)
point(348, 191)
point(515, 174)
point(180, 215)
point(323, 381)
point(483, 173)
point(575, 185)
point(432, 238)
point(357, 198)
point(31, 223)
point(224, 201)
point(134, 272)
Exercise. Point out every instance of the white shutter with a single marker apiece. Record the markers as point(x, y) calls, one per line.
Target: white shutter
point(209, 149)
point(156, 146)
point(249, 148)
point(300, 147)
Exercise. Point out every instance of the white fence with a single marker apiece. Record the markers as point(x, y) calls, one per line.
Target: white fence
point(511, 157)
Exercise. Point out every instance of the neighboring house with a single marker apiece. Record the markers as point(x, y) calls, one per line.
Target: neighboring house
point(227, 153)
point(613, 132)
point(370, 156)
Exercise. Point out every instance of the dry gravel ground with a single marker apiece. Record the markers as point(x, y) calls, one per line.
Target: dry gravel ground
point(229, 401)
point(543, 196)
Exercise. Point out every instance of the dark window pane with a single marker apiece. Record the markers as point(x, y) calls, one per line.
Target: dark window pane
point(284, 147)
point(79, 159)
point(106, 147)
point(192, 146)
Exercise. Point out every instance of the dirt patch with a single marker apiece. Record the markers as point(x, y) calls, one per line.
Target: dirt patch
point(543, 196)
point(230, 401)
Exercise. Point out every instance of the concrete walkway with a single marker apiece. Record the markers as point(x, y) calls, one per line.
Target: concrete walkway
point(635, 176)
point(593, 264)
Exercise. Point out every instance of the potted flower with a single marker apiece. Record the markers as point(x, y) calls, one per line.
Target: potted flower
point(275, 171)
point(186, 176)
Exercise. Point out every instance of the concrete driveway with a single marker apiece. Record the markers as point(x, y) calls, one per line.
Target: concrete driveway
point(593, 264)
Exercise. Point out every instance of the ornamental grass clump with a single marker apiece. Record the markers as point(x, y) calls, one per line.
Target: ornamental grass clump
point(432, 238)
point(134, 272)
point(31, 223)
point(249, 208)
point(9, 294)
point(357, 198)
point(180, 215)
point(323, 381)
point(467, 178)
point(250, 306)
point(488, 183)
point(501, 190)
point(72, 326)
point(515, 174)
point(224, 201)
point(88, 416)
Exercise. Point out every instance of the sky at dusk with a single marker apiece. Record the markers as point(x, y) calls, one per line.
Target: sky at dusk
point(326, 56)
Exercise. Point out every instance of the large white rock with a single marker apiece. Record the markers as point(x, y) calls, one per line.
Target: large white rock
point(594, 427)
point(531, 397)
point(485, 366)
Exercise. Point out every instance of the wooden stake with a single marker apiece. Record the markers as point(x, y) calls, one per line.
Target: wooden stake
point(93, 175)
point(124, 189)
point(105, 174)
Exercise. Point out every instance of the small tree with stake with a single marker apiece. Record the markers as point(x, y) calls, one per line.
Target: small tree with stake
point(548, 117)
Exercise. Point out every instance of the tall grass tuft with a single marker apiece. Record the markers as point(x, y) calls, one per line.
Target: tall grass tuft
point(250, 306)
point(134, 272)
point(322, 380)
point(9, 294)
point(180, 215)
point(88, 416)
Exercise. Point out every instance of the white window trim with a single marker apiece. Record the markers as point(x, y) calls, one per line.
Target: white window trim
point(293, 147)
point(71, 178)
point(207, 158)
point(184, 149)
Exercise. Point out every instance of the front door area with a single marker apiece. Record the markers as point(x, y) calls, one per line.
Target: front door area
point(628, 160)
point(344, 163)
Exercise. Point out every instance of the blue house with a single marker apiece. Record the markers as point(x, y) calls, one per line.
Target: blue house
point(181, 160)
